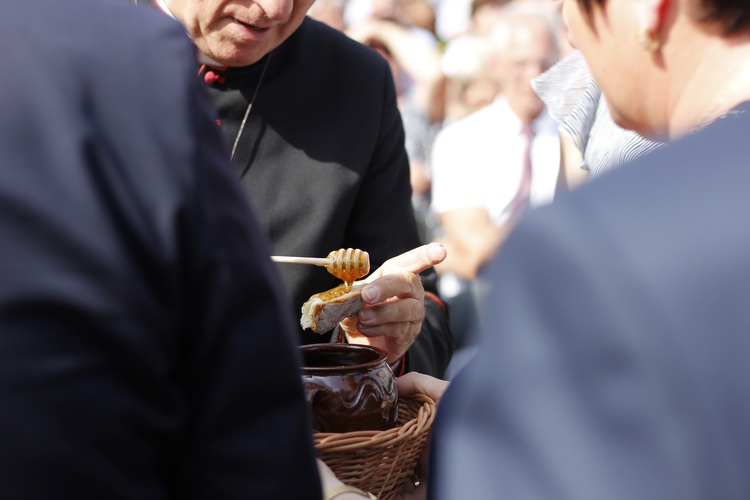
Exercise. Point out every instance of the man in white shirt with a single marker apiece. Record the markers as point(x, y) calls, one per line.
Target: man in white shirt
point(479, 161)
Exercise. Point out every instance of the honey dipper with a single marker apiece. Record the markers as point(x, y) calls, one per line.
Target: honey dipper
point(347, 264)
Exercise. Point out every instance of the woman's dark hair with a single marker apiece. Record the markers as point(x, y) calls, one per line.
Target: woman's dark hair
point(733, 15)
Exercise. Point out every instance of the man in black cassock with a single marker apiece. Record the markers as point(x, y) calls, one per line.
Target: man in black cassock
point(311, 120)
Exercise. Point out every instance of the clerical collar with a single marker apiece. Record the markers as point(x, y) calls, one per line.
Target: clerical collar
point(202, 58)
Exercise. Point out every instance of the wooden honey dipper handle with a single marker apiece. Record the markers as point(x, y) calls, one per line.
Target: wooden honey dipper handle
point(300, 260)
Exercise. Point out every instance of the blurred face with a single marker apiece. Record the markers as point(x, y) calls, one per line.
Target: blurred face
point(239, 32)
point(329, 12)
point(479, 92)
point(530, 52)
point(607, 37)
point(387, 9)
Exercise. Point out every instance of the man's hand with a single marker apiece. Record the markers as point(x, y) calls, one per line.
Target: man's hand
point(394, 302)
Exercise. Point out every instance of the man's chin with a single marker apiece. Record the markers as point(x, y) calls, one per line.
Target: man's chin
point(239, 60)
point(234, 55)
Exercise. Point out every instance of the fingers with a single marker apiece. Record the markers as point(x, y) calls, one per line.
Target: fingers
point(394, 302)
point(419, 383)
point(404, 310)
point(395, 337)
point(398, 277)
point(414, 261)
point(401, 285)
point(400, 335)
point(396, 320)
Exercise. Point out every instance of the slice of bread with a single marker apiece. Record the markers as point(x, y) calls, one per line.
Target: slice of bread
point(323, 311)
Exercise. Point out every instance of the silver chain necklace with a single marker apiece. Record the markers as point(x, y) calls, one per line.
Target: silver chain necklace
point(250, 106)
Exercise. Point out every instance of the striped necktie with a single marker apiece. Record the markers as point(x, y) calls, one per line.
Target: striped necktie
point(521, 200)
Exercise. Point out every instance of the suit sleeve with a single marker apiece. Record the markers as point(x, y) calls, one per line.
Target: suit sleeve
point(567, 397)
point(431, 352)
point(249, 433)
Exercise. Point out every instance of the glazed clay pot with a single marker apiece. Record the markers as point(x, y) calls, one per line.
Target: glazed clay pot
point(349, 387)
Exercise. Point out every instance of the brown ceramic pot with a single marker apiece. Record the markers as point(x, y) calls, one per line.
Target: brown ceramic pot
point(349, 387)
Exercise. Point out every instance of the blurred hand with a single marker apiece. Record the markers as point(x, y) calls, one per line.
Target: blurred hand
point(419, 383)
point(330, 482)
point(394, 303)
point(327, 478)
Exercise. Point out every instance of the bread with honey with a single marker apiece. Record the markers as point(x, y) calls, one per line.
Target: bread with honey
point(324, 310)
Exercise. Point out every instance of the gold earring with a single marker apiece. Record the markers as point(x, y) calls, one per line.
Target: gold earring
point(648, 41)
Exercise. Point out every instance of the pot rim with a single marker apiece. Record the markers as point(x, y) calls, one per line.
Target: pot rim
point(380, 359)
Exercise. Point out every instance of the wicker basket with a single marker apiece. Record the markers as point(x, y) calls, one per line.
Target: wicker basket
point(380, 461)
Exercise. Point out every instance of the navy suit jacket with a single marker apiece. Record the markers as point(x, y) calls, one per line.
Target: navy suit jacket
point(614, 357)
point(146, 349)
